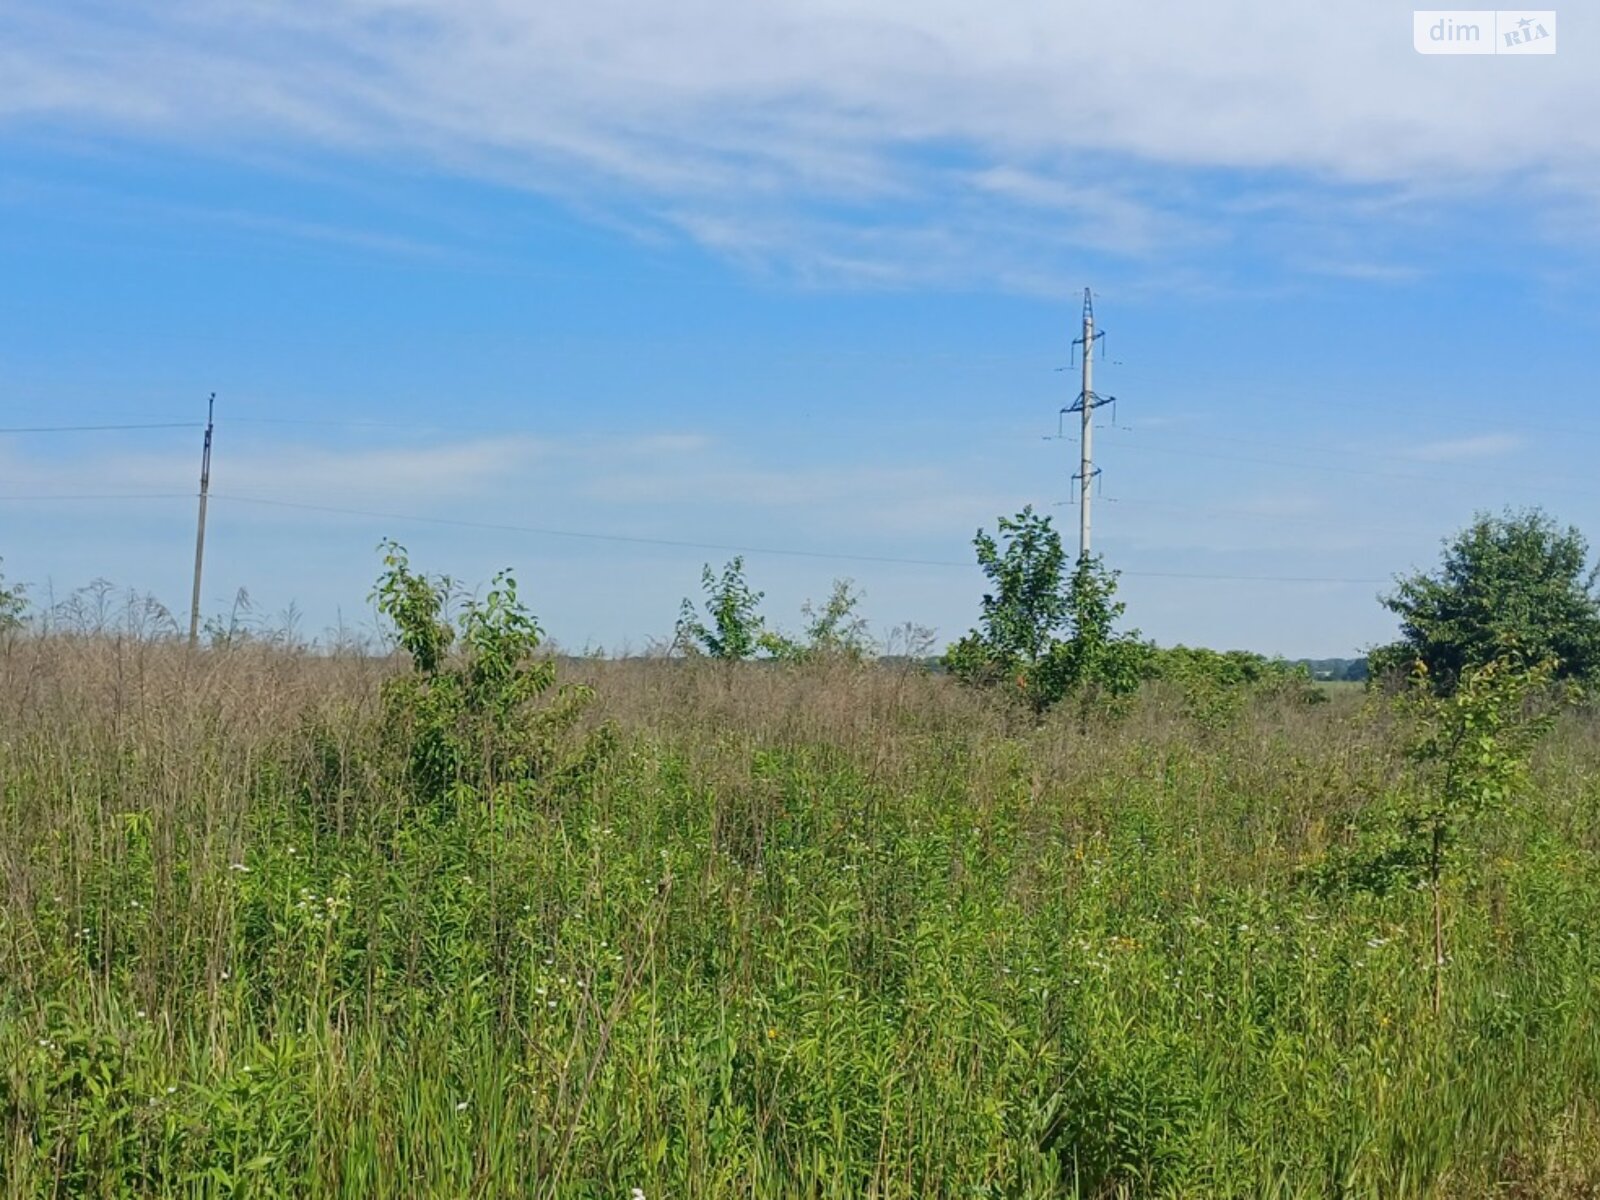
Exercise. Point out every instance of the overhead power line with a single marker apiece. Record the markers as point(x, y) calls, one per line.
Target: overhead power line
point(675, 543)
point(587, 535)
point(1340, 470)
point(1413, 460)
point(99, 496)
point(101, 428)
point(683, 544)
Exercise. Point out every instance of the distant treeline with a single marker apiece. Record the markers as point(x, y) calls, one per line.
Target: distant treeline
point(1333, 670)
point(1324, 670)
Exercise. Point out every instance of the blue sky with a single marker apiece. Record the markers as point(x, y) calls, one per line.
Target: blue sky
point(790, 277)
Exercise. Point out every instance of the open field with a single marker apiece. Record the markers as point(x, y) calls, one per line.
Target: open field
point(831, 932)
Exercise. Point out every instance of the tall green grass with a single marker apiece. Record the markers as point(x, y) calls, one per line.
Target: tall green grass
point(826, 933)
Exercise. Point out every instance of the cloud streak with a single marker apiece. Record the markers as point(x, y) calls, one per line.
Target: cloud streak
point(1468, 449)
point(875, 142)
point(449, 470)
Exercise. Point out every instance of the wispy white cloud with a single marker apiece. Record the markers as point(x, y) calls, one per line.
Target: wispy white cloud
point(1487, 445)
point(293, 472)
point(1363, 272)
point(873, 141)
point(658, 483)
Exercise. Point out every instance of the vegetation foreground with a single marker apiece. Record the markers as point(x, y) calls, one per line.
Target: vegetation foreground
point(286, 924)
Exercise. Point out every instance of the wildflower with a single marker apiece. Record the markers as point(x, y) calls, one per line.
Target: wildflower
point(636, 1194)
point(141, 1014)
point(771, 1033)
point(170, 1090)
point(462, 1107)
point(550, 1004)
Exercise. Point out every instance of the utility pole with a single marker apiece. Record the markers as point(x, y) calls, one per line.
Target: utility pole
point(1086, 403)
point(200, 530)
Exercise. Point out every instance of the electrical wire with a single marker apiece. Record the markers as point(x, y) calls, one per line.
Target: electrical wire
point(102, 496)
point(632, 539)
point(1338, 470)
point(588, 535)
point(738, 549)
point(101, 428)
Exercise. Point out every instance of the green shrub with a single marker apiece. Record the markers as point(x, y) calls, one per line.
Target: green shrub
point(13, 604)
point(1042, 635)
point(488, 722)
point(1216, 685)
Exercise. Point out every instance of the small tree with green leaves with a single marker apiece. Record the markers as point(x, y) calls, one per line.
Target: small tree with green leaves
point(1032, 603)
point(1025, 609)
point(1514, 584)
point(836, 629)
point(489, 721)
point(13, 604)
point(1470, 750)
point(732, 629)
point(1095, 662)
point(833, 631)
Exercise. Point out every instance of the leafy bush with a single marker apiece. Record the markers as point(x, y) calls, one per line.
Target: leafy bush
point(1019, 642)
point(475, 725)
point(1471, 750)
point(833, 631)
point(736, 630)
point(1216, 685)
point(13, 604)
point(1512, 585)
